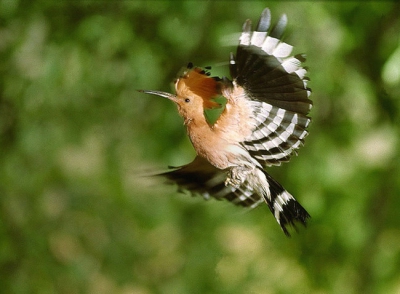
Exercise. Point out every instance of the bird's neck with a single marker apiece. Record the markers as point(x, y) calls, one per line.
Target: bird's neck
point(197, 122)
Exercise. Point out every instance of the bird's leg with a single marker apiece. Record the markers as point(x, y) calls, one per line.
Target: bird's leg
point(237, 175)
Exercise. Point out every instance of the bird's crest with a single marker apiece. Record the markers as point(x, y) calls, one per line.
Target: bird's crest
point(197, 81)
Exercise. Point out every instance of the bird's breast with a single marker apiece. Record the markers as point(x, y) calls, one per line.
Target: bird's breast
point(221, 147)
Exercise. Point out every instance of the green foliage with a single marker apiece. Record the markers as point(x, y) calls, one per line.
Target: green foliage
point(76, 214)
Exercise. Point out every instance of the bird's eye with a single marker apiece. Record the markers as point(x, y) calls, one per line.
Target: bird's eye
point(187, 100)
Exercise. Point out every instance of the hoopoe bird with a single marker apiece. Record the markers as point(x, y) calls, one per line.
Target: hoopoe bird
point(263, 123)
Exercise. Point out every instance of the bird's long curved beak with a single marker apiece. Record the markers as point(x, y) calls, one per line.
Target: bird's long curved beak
point(159, 93)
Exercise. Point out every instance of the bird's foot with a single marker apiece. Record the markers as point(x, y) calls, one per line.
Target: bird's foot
point(237, 176)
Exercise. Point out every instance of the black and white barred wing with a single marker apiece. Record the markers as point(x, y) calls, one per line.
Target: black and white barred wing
point(201, 178)
point(276, 85)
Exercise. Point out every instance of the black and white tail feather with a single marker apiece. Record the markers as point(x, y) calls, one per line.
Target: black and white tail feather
point(275, 84)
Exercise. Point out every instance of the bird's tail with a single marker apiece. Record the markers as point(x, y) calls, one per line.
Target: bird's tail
point(284, 207)
point(201, 178)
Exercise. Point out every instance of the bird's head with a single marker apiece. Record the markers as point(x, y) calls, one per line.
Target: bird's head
point(195, 92)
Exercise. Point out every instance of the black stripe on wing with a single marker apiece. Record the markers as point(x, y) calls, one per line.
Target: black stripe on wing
point(201, 178)
point(265, 79)
point(277, 135)
point(264, 68)
point(276, 85)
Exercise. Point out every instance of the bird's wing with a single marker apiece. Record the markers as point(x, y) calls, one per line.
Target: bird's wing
point(201, 178)
point(275, 84)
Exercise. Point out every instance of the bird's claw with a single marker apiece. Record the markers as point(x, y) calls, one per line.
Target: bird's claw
point(236, 176)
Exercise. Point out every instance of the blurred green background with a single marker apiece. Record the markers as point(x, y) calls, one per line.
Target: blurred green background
point(76, 214)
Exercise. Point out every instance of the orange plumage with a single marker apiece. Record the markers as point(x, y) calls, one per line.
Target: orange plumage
point(196, 82)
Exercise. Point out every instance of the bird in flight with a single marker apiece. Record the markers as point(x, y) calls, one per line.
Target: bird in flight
point(263, 122)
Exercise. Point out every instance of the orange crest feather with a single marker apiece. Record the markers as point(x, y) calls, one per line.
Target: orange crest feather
point(197, 82)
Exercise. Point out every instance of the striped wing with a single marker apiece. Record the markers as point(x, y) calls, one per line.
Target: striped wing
point(276, 85)
point(201, 178)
